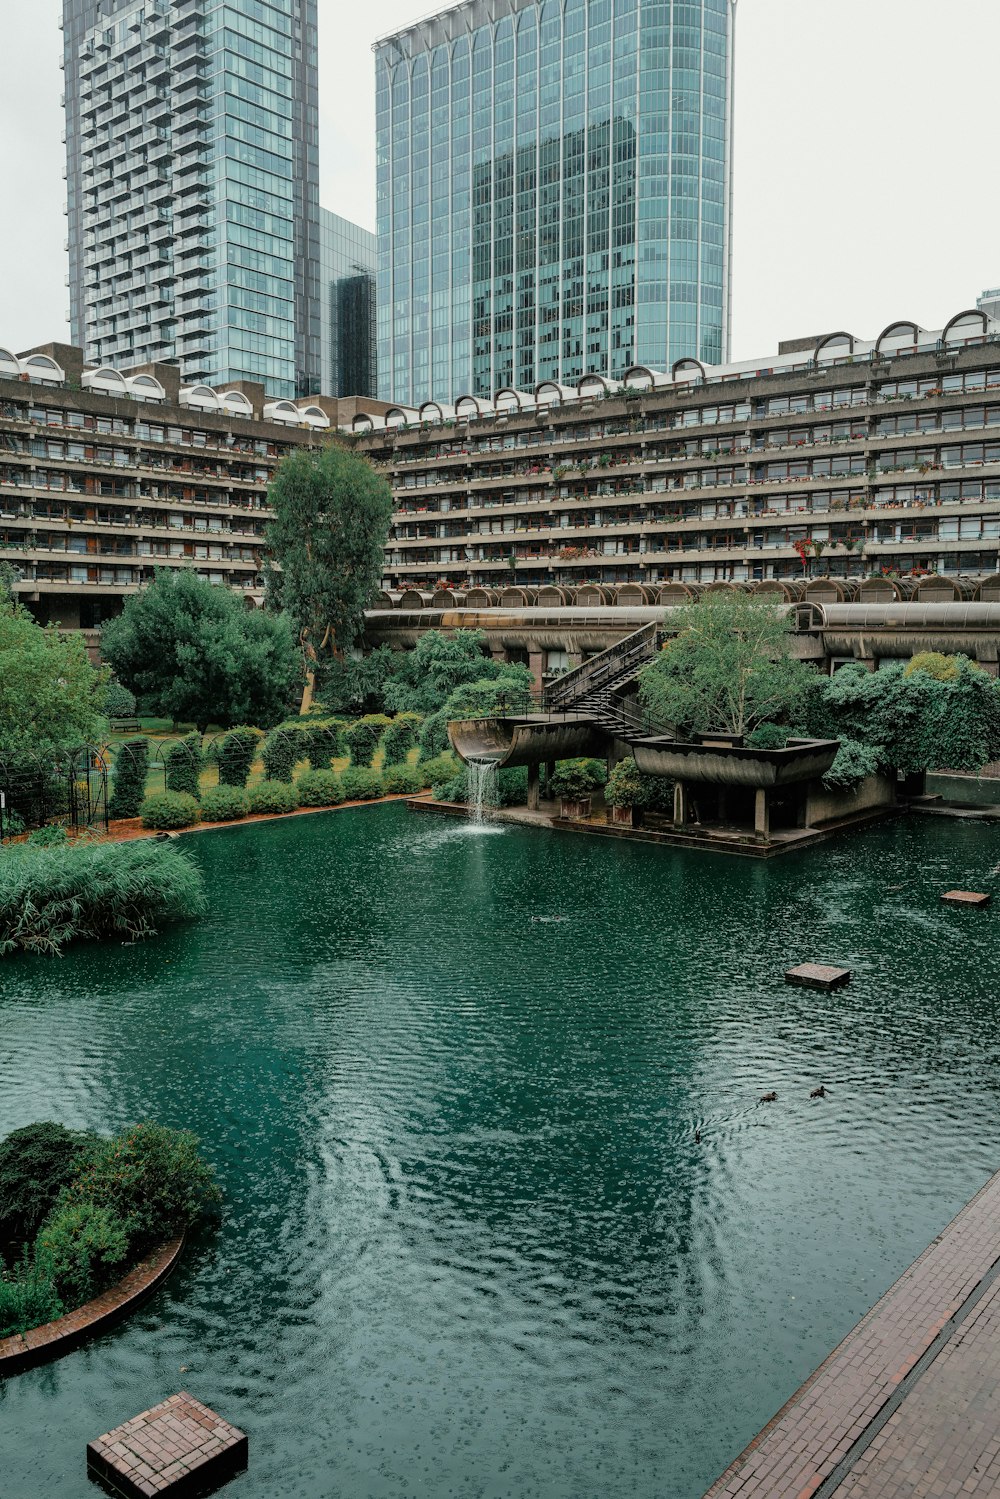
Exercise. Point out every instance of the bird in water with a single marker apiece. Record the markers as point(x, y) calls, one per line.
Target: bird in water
point(769, 1098)
point(819, 1092)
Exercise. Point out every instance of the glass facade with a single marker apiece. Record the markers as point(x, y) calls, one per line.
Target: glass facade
point(193, 169)
point(554, 182)
point(347, 276)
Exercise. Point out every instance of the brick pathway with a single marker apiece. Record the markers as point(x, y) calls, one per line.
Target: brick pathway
point(842, 1433)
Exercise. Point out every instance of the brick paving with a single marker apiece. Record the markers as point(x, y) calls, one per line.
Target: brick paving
point(944, 1439)
point(178, 1447)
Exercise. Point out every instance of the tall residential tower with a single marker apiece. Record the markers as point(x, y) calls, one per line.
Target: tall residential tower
point(192, 142)
point(554, 192)
point(347, 272)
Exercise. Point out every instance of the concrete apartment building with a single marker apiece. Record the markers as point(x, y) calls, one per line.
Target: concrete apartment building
point(836, 456)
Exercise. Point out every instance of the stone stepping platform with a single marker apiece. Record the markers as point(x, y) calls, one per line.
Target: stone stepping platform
point(908, 1406)
point(818, 976)
point(176, 1449)
point(966, 898)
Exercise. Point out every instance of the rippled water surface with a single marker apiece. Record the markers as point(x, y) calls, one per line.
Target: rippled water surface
point(451, 1086)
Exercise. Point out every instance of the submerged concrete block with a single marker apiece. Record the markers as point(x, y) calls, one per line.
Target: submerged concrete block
point(818, 976)
point(177, 1448)
point(966, 898)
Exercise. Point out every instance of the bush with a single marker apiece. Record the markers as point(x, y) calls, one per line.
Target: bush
point(362, 740)
point(81, 1249)
point(36, 1162)
point(118, 701)
point(401, 780)
point(28, 1299)
point(437, 769)
point(282, 751)
point(52, 835)
point(768, 736)
point(324, 741)
point(854, 762)
point(319, 788)
point(224, 804)
point(119, 891)
point(131, 767)
point(236, 755)
point(183, 765)
point(576, 779)
point(360, 784)
point(13, 824)
point(625, 786)
point(273, 796)
point(511, 788)
point(169, 809)
point(400, 737)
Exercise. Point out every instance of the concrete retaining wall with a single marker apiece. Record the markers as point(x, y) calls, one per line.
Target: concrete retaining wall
point(873, 793)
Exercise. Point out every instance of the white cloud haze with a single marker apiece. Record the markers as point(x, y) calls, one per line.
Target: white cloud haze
point(864, 182)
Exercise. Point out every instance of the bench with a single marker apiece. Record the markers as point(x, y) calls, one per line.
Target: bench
point(125, 725)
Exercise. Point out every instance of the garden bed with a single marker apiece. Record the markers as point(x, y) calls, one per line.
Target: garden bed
point(126, 829)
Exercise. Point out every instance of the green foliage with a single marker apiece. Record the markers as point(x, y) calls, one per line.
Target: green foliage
point(51, 697)
point(13, 824)
point(511, 787)
point(36, 1162)
point(28, 1299)
point(52, 835)
point(130, 771)
point(150, 1178)
point(853, 763)
point(281, 752)
point(437, 770)
point(576, 779)
point(273, 796)
point(362, 739)
point(937, 665)
point(224, 804)
point(768, 736)
point(509, 692)
point(319, 788)
point(332, 513)
point(83, 891)
point(360, 784)
point(357, 684)
point(625, 786)
point(400, 737)
point(118, 701)
point(401, 780)
point(81, 1249)
point(183, 764)
point(194, 652)
point(423, 679)
point(729, 669)
point(324, 741)
point(165, 810)
point(236, 755)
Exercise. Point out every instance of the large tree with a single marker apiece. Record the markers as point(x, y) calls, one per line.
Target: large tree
point(192, 651)
point(332, 513)
point(728, 669)
point(51, 697)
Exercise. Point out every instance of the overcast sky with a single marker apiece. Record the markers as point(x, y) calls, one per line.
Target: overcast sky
point(866, 184)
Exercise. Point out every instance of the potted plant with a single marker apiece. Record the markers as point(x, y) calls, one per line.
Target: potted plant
point(625, 794)
point(574, 783)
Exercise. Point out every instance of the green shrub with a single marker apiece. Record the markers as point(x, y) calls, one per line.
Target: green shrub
point(13, 824)
point(236, 754)
point(360, 784)
point(401, 780)
point(148, 1177)
point(81, 1250)
point(118, 701)
point(113, 891)
point(273, 796)
point(169, 809)
point(400, 737)
point(224, 804)
point(438, 769)
point(183, 765)
point(131, 767)
point(659, 795)
point(319, 788)
point(576, 779)
point(324, 741)
point(281, 752)
point(52, 835)
point(362, 739)
point(36, 1162)
point(27, 1299)
point(854, 762)
point(511, 788)
point(625, 786)
point(768, 736)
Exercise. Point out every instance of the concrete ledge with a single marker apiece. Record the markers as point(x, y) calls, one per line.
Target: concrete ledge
point(53, 1339)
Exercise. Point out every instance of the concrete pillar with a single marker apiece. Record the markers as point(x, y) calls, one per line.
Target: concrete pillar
point(550, 770)
point(573, 659)
point(680, 804)
point(533, 788)
point(499, 653)
point(536, 665)
point(986, 657)
point(761, 814)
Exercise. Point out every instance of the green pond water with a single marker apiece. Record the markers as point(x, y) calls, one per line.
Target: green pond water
point(451, 1084)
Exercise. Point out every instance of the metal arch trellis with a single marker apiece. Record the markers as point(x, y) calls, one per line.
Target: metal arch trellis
point(88, 787)
point(70, 787)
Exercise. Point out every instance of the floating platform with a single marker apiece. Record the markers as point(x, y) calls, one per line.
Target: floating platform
point(966, 898)
point(176, 1449)
point(818, 976)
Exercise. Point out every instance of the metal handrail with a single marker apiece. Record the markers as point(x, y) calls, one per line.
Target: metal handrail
point(602, 669)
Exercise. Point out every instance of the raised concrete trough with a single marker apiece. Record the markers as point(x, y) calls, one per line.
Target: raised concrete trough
point(718, 763)
point(818, 976)
point(966, 898)
point(178, 1449)
point(533, 740)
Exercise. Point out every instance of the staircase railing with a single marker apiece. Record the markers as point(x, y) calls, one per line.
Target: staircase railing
point(601, 671)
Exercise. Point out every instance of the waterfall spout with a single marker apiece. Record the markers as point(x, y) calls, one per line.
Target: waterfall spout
point(481, 776)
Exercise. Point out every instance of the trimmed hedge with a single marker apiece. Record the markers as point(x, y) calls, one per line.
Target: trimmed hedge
point(224, 804)
point(401, 780)
point(400, 737)
point(273, 796)
point(362, 739)
point(281, 752)
point(319, 788)
point(437, 770)
point(183, 765)
point(236, 755)
point(169, 809)
point(131, 768)
point(361, 784)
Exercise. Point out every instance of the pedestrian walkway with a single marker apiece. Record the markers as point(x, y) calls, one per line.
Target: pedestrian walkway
point(908, 1406)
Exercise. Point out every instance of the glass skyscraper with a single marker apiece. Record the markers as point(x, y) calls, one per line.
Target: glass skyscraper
point(347, 276)
point(192, 139)
point(554, 185)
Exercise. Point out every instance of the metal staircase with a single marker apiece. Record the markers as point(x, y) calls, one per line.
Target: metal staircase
point(591, 690)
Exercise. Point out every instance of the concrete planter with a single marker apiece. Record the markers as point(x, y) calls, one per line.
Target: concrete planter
point(575, 808)
point(734, 765)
